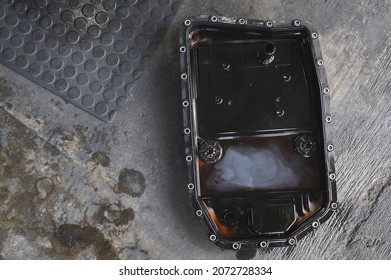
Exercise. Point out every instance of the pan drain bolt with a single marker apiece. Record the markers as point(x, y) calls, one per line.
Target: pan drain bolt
point(210, 151)
point(266, 56)
point(306, 145)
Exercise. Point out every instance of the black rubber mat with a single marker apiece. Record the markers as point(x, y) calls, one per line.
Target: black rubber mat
point(90, 53)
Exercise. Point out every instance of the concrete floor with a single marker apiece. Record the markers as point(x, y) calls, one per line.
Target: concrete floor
point(73, 187)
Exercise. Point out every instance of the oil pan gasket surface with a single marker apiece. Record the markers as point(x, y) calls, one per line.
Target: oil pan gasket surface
point(89, 53)
point(236, 63)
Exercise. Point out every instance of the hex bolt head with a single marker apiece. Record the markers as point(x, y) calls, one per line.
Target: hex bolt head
point(263, 244)
point(334, 205)
point(292, 241)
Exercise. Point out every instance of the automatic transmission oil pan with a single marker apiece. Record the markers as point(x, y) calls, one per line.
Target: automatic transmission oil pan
point(256, 123)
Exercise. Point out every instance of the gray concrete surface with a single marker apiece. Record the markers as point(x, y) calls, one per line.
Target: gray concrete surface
point(73, 187)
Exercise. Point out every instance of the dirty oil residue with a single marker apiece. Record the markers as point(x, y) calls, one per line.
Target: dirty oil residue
point(100, 158)
point(44, 186)
point(4, 193)
point(100, 214)
point(131, 182)
point(246, 254)
point(71, 239)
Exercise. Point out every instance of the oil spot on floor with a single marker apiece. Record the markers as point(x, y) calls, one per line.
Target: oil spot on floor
point(100, 214)
point(131, 182)
point(44, 186)
point(4, 193)
point(71, 239)
point(246, 254)
point(100, 158)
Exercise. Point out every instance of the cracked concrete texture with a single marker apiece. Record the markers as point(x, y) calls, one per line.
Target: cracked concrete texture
point(72, 187)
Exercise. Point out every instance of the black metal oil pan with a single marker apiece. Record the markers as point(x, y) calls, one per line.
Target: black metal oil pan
point(257, 129)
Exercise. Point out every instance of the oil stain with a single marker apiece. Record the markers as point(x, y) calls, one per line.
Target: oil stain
point(131, 182)
point(246, 254)
point(4, 193)
point(70, 239)
point(100, 158)
point(44, 186)
point(100, 214)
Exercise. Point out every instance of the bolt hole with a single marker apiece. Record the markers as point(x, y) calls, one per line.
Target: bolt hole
point(315, 224)
point(326, 90)
point(185, 103)
point(235, 246)
point(297, 22)
point(314, 35)
point(189, 158)
point(187, 22)
point(320, 62)
point(270, 48)
point(184, 76)
point(186, 130)
point(212, 237)
point(242, 21)
point(328, 119)
point(199, 213)
point(182, 49)
point(332, 176)
point(330, 148)
point(214, 19)
point(269, 24)
point(334, 205)
point(190, 186)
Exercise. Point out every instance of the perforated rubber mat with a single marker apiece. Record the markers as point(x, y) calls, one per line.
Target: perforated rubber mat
point(90, 53)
